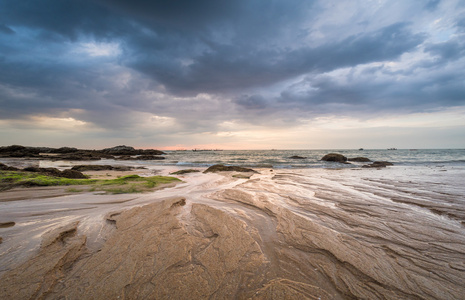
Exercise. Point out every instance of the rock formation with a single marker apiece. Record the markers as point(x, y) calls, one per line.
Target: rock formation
point(56, 173)
point(336, 157)
point(359, 159)
point(67, 153)
point(222, 168)
point(378, 164)
point(83, 168)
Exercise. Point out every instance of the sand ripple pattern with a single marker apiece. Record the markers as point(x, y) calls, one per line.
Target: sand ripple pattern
point(328, 234)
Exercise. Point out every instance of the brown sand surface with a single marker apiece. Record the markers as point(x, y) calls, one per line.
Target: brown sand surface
point(33, 193)
point(282, 234)
point(30, 193)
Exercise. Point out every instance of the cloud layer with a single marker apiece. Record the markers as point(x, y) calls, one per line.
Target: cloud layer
point(153, 70)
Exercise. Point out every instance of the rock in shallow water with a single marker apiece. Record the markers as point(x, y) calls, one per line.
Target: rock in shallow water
point(359, 159)
point(378, 164)
point(222, 168)
point(334, 157)
point(83, 168)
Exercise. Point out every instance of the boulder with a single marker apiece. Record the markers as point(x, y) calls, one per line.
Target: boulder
point(359, 159)
point(4, 167)
point(68, 153)
point(7, 224)
point(83, 168)
point(139, 157)
point(19, 151)
point(56, 173)
point(120, 150)
point(149, 157)
point(223, 168)
point(72, 174)
point(378, 164)
point(45, 171)
point(127, 150)
point(80, 155)
point(12, 148)
point(21, 154)
point(151, 152)
point(65, 150)
point(334, 157)
point(124, 157)
point(185, 171)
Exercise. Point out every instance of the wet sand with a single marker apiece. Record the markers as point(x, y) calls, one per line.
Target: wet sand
point(282, 234)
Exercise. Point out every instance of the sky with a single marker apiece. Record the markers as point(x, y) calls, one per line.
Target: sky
point(243, 74)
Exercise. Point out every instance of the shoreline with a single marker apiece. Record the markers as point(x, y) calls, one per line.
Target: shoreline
point(282, 233)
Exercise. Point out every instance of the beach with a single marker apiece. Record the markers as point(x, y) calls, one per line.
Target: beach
point(392, 233)
point(232, 150)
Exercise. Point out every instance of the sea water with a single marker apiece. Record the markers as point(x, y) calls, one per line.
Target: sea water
point(311, 158)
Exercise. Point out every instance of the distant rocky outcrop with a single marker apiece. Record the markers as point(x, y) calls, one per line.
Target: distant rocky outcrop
point(66, 150)
point(297, 157)
point(185, 171)
point(12, 148)
point(83, 168)
point(359, 159)
point(4, 167)
point(119, 150)
point(56, 173)
point(68, 153)
point(80, 155)
point(336, 157)
point(149, 157)
point(127, 150)
point(47, 171)
point(378, 164)
point(223, 168)
point(18, 151)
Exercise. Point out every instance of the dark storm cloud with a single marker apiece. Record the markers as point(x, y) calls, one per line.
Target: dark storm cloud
point(375, 94)
point(175, 15)
point(235, 51)
point(61, 19)
point(251, 102)
point(233, 67)
point(448, 51)
point(158, 35)
point(432, 4)
point(6, 29)
point(461, 24)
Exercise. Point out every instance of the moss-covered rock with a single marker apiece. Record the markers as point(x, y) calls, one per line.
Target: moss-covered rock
point(125, 184)
point(223, 168)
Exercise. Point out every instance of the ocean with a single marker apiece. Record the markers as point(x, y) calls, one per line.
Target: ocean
point(281, 158)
